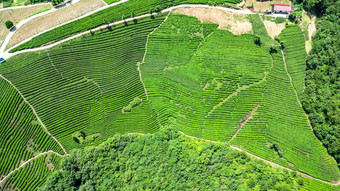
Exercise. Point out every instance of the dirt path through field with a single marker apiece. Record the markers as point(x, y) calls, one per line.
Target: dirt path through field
point(249, 115)
point(35, 113)
point(28, 161)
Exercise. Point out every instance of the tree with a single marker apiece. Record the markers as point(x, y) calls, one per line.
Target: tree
point(292, 17)
point(9, 24)
point(257, 40)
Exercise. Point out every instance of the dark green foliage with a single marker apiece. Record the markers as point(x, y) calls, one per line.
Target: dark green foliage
point(57, 2)
point(292, 17)
point(322, 93)
point(257, 40)
point(166, 160)
point(9, 24)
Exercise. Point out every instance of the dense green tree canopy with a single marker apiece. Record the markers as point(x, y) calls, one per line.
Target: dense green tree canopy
point(166, 160)
point(321, 99)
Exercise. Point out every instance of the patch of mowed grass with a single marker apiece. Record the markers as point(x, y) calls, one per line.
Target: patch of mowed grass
point(192, 69)
point(122, 11)
point(22, 137)
point(33, 175)
point(294, 50)
point(84, 84)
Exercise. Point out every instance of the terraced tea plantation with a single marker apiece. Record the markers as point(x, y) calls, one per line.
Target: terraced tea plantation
point(33, 175)
point(161, 71)
point(21, 135)
point(205, 81)
point(84, 85)
point(295, 55)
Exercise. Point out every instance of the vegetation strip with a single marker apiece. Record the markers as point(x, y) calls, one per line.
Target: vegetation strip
point(45, 129)
point(267, 161)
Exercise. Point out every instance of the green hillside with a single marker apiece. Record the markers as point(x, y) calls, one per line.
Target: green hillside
point(84, 85)
point(161, 75)
point(33, 175)
point(21, 135)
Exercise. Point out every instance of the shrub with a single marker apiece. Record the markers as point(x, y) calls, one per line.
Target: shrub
point(292, 17)
point(257, 40)
point(9, 24)
point(135, 102)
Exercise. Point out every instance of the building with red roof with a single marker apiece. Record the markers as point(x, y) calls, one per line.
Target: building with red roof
point(282, 9)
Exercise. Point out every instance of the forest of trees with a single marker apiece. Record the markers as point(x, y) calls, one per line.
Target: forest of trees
point(321, 98)
point(166, 160)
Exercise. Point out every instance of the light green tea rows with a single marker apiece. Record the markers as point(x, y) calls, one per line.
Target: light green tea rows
point(193, 72)
point(295, 54)
point(33, 175)
point(21, 135)
point(122, 11)
point(85, 84)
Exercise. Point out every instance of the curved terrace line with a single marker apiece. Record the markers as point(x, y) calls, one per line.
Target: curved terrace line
point(7, 55)
point(35, 113)
point(9, 174)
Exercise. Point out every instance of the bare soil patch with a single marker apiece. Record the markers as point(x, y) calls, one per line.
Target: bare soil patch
point(273, 29)
point(17, 15)
point(234, 22)
point(244, 121)
point(308, 23)
point(50, 20)
point(311, 28)
point(262, 6)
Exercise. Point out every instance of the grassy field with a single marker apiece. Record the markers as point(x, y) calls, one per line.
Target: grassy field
point(84, 85)
point(122, 11)
point(295, 55)
point(32, 175)
point(21, 135)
